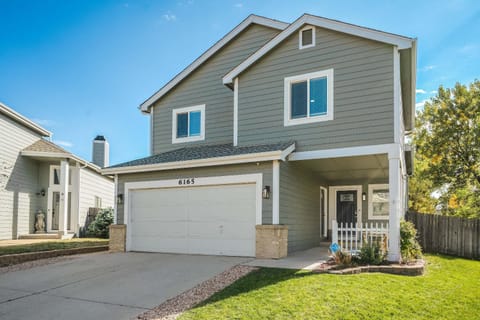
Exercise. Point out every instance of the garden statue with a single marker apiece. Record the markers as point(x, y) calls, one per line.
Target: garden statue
point(40, 222)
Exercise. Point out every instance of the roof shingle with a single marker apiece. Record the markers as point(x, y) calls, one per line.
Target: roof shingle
point(204, 152)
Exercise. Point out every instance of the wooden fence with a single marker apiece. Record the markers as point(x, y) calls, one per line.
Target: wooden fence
point(450, 235)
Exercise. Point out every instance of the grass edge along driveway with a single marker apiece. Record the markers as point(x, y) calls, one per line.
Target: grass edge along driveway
point(53, 245)
point(448, 290)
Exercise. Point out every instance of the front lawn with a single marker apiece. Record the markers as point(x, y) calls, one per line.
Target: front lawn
point(450, 289)
point(53, 245)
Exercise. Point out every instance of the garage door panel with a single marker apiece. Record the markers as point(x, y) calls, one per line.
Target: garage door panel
point(217, 220)
point(221, 231)
point(166, 229)
point(161, 244)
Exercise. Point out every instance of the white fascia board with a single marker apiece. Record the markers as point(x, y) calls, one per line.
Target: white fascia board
point(23, 120)
point(413, 86)
point(247, 158)
point(345, 152)
point(396, 40)
point(40, 154)
point(145, 106)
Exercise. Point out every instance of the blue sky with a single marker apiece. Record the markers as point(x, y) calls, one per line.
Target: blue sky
point(81, 68)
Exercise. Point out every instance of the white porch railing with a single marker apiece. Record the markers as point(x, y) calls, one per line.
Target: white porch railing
point(352, 236)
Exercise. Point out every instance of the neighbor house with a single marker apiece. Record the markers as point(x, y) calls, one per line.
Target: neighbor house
point(271, 138)
point(38, 175)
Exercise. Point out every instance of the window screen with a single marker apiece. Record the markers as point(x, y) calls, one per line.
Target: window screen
point(182, 125)
point(299, 100)
point(307, 37)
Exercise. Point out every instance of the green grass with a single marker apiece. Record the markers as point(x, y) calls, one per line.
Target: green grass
point(53, 245)
point(450, 289)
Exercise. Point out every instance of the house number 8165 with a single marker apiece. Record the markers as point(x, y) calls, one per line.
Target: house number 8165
point(182, 182)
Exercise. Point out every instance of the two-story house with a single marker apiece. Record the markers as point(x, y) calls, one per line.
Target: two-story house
point(272, 136)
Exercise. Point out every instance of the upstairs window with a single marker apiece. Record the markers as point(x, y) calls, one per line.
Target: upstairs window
point(188, 124)
point(309, 98)
point(306, 37)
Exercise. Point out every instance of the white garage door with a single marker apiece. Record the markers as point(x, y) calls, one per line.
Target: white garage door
point(216, 220)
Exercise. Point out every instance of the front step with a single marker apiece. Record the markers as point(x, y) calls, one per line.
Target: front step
point(40, 236)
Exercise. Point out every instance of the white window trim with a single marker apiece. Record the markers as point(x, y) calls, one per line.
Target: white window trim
point(200, 108)
point(325, 210)
point(50, 179)
point(300, 37)
point(371, 188)
point(306, 77)
point(332, 202)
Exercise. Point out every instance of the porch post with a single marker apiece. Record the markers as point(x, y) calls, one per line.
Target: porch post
point(276, 192)
point(63, 218)
point(394, 181)
point(115, 195)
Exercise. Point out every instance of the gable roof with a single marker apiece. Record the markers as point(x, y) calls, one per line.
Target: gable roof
point(206, 155)
point(17, 117)
point(406, 46)
point(400, 41)
point(46, 149)
point(251, 19)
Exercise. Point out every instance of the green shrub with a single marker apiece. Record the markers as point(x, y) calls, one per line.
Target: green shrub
point(409, 246)
point(372, 253)
point(99, 226)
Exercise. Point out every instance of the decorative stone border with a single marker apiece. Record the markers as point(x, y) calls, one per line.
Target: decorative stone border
point(416, 269)
point(11, 259)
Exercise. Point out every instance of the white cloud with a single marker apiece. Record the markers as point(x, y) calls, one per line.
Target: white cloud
point(238, 5)
point(420, 91)
point(428, 68)
point(44, 122)
point(169, 17)
point(433, 92)
point(421, 104)
point(63, 143)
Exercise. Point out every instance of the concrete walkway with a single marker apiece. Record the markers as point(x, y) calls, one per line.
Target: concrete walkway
point(307, 259)
point(104, 286)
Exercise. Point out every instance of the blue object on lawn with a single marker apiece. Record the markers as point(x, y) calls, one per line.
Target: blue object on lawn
point(334, 247)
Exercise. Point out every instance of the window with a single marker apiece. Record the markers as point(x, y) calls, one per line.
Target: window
point(55, 176)
point(306, 38)
point(188, 124)
point(98, 202)
point(378, 201)
point(309, 98)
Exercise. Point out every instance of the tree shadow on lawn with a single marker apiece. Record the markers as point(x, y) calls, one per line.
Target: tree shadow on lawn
point(255, 280)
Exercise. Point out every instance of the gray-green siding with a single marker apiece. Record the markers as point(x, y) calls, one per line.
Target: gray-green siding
point(300, 205)
point(363, 93)
point(265, 168)
point(204, 86)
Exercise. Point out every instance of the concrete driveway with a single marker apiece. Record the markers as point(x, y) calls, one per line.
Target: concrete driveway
point(104, 286)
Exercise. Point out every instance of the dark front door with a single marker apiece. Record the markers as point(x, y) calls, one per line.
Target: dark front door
point(347, 206)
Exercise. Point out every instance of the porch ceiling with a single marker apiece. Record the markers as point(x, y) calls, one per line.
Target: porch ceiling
point(347, 169)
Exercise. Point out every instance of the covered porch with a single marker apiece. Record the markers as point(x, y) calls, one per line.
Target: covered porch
point(55, 205)
point(361, 195)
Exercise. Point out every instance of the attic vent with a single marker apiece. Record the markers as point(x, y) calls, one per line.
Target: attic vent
point(307, 37)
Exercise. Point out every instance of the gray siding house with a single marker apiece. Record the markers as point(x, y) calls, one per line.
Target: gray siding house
point(37, 175)
point(272, 139)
